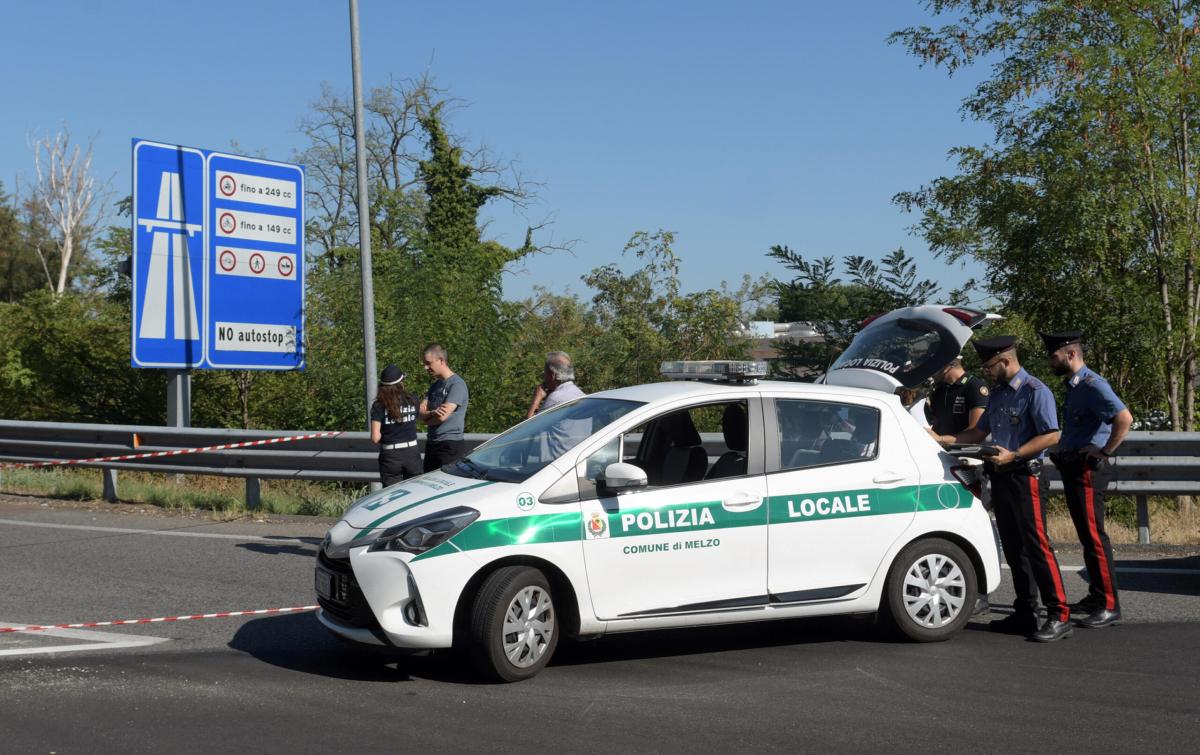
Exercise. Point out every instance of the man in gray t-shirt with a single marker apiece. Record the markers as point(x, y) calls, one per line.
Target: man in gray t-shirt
point(443, 410)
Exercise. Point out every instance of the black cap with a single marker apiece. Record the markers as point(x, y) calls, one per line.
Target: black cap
point(1055, 341)
point(391, 375)
point(990, 347)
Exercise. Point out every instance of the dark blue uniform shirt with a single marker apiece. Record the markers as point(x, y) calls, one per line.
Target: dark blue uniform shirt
point(1088, 411)
point(1018, 410)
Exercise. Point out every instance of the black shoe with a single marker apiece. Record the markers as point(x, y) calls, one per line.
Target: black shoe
point(1087, 605)
point(1016, 623)
point(1101, 617)
point(1052, 630)
point(981, 606)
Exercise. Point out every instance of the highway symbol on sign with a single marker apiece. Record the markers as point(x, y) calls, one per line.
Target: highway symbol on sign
point(170, 245)
point(168, 256)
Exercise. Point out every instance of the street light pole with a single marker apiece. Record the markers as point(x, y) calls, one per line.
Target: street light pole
point(364, 219)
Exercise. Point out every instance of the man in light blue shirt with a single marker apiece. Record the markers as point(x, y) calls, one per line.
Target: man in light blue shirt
point(557, 388)
point(1021, 418)
point(1094, 423)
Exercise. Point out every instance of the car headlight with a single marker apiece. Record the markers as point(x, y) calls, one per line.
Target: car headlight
point(423, 534)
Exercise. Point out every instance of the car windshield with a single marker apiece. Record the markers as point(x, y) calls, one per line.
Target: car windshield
point(516, 455)
point(907, 349)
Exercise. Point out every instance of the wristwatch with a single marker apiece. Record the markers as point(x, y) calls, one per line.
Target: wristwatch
point(1106, 453)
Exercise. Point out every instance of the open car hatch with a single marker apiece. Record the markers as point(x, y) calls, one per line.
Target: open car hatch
point(905, 347)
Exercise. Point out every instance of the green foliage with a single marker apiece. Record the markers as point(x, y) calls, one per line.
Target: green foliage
point(643, 319)
point(835, 308)
point(436, 278)
point(1085, 210)
point(20, 271)
point(67, 359)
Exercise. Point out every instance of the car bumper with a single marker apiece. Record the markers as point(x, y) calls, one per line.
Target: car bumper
point(376, 600)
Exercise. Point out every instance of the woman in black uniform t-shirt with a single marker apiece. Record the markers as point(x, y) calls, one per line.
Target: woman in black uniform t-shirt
point(394, 428)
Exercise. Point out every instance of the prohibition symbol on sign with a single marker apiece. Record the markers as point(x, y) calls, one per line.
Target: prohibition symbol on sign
point(257, 263)
point(228, 185)
point(227, 260)
point(228, 222)
point(285, 266)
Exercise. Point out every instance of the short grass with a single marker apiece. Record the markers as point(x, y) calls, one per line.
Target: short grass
point(220, 495)
point(1170, 524)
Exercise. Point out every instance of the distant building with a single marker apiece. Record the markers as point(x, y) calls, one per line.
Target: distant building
point(766, 336)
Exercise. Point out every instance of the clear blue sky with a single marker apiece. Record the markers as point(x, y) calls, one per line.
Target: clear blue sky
point(736, 125)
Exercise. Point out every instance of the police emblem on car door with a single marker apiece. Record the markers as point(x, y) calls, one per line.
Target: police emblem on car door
point(693, 537)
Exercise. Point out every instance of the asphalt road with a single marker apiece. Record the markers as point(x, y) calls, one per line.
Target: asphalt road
point(281, 683)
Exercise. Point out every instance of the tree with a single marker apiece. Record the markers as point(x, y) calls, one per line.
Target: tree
point(67, 193)
point(643, 319)
point(1086, 209)
point(835, 308)
point(19, 269)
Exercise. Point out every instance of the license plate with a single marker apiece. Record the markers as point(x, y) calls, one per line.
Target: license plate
point(324, 582)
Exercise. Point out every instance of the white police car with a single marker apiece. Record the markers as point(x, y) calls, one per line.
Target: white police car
point(617, 512)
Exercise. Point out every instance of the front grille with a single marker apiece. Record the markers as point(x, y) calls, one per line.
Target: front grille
point(349, 607)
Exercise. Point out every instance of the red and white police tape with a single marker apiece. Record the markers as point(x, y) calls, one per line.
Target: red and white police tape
point(178, 452)
point(160, 620)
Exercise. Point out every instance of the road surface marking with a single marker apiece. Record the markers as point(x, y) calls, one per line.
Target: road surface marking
point(132, 531)
point(93, 640)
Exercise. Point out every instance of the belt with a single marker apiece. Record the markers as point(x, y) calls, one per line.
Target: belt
point(1031, 467)
point(1067, 458)
point(394, 446)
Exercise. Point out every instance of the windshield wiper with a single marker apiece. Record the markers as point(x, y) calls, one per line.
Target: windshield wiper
point(476, 470)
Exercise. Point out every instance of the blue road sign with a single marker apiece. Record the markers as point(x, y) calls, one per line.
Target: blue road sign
point(255, 288)
point(218, 260)
point(168, 255)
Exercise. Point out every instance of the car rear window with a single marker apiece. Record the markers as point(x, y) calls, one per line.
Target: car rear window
point(908, 349)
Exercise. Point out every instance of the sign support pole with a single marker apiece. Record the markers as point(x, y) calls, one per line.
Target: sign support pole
point(179, 398)
point(364, 219)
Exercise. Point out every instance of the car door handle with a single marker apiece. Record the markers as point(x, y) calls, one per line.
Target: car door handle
point(742, 502)
point(883, 478)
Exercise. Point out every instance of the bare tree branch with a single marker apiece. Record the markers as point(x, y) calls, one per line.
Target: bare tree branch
point(67, 192)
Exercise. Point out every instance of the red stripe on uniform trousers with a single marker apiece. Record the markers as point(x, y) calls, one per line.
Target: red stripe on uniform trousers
point(1105, 576)
point(1044, 543)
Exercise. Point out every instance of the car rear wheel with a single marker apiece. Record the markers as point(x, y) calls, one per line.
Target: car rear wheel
point(930, 590)
point(514, 625)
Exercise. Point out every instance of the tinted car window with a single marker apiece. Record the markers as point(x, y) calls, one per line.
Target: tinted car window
point(669, 448)
point(909, 350)
point(818, 433)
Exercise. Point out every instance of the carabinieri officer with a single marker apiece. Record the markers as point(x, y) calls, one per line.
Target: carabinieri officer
point(1094, 422)
point(1021, 418)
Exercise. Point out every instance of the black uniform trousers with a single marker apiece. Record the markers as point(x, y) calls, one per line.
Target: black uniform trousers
point(398, 464)
point(1021, 520)
point(438, 453)
point(1084, 490)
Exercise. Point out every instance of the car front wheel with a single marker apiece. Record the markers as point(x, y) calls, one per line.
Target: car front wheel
point(930, 590)
point(514, 625)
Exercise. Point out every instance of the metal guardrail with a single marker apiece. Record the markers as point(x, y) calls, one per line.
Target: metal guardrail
point(1150, 463)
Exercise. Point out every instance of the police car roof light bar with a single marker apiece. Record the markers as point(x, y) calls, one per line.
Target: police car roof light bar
point(721, 371)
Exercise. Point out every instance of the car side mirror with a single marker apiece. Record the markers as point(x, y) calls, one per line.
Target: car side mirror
point(621, 477)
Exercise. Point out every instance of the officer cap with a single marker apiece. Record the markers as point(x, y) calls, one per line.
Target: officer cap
point(391, 375)
point(1055, 341)
point(990, 347)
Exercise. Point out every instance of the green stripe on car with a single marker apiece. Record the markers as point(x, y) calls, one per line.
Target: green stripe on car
point(705, 515)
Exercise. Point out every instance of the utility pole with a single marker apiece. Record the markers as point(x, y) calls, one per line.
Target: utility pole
point(364, 219)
